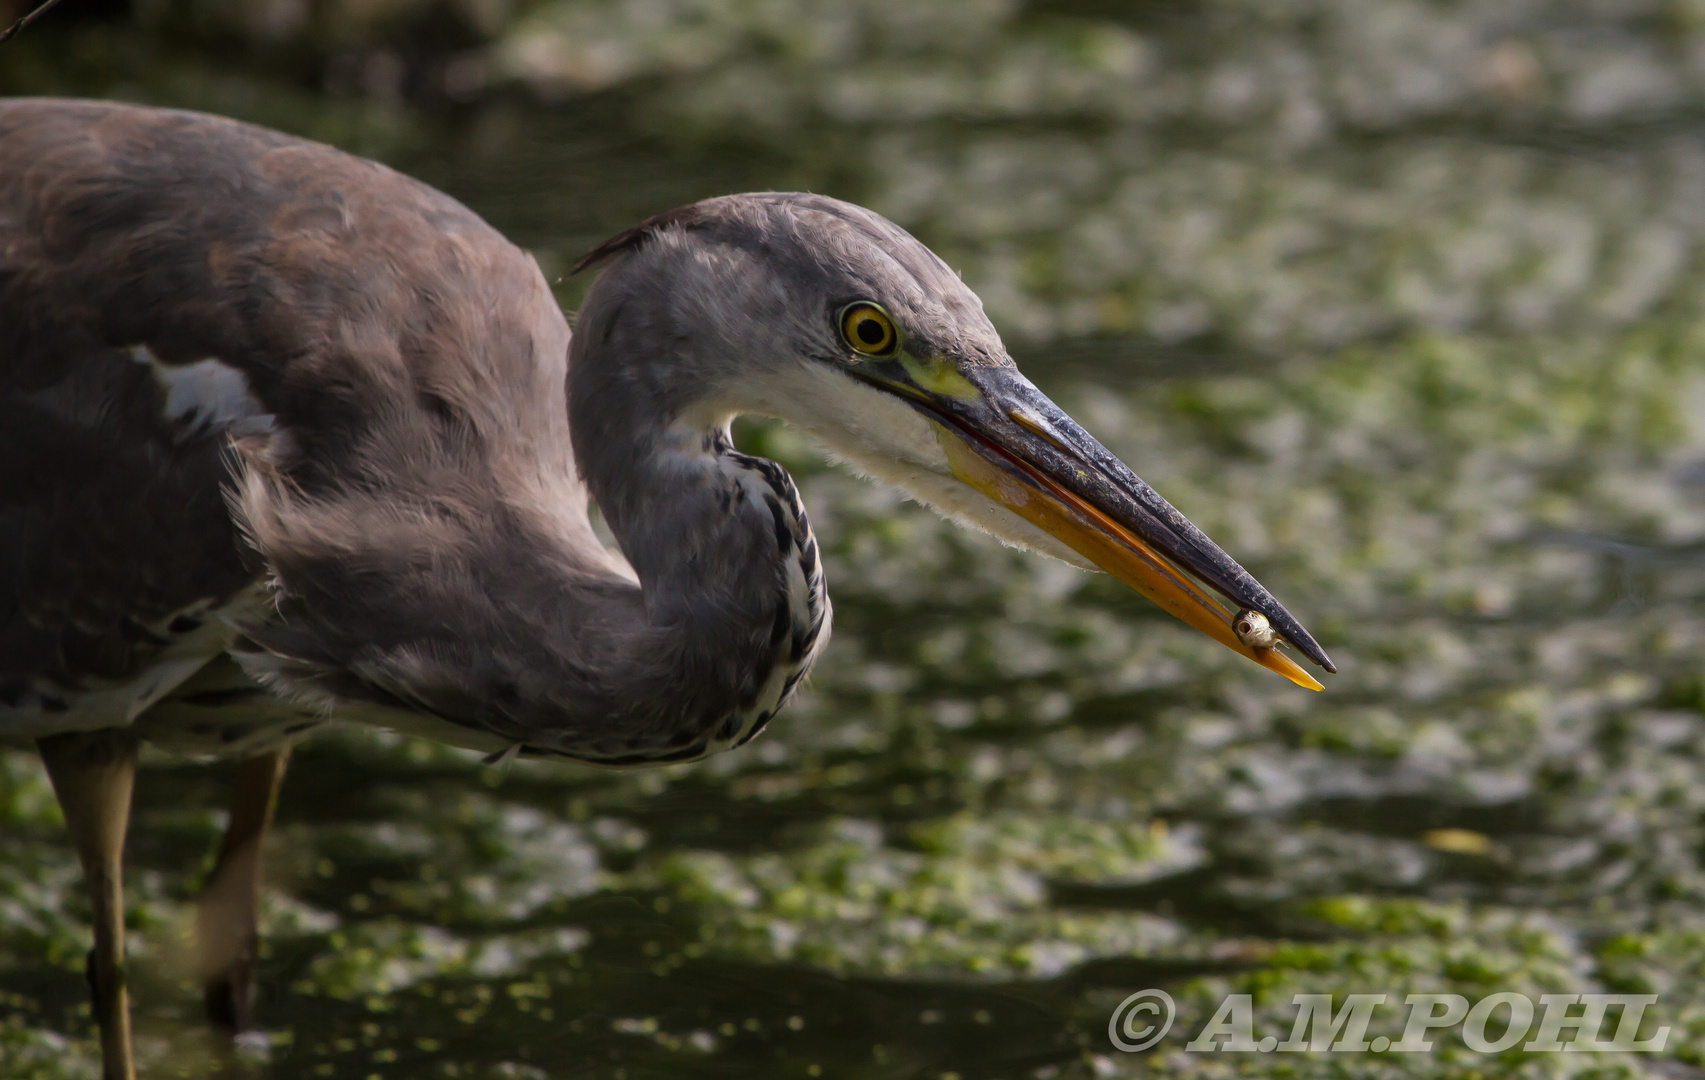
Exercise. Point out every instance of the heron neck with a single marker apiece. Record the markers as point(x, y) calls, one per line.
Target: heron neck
point(728, 566)
point(720, 539)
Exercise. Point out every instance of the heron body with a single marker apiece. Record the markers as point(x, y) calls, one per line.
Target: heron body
point(287, 438)
point(393, 375)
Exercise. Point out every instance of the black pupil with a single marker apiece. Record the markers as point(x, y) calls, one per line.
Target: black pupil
point(870, 331)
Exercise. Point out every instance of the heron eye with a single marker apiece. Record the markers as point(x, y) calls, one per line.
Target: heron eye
point(868, 330)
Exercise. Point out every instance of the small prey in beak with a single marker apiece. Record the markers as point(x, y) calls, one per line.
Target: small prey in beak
point(1005, 439)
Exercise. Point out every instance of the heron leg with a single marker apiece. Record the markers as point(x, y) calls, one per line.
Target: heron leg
point(226, 935)
point(93, 774)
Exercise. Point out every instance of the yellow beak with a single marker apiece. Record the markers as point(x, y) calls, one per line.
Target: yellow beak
point(1102, 541)
point(1005, 439)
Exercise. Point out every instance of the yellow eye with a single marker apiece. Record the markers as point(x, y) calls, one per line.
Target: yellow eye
point(868, 329)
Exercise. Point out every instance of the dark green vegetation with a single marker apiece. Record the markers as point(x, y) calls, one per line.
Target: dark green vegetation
point(1400, 301)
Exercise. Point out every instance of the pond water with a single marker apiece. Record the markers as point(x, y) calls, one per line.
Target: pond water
point(1399, 300)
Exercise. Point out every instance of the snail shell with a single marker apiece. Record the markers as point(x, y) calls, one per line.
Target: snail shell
point(1253, 629)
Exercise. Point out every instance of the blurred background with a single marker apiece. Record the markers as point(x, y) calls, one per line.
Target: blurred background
point(1400, 300)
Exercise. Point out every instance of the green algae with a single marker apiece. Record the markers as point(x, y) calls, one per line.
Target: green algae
point(967, 897)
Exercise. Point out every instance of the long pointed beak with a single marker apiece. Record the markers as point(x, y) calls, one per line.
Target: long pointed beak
point(1006, 439)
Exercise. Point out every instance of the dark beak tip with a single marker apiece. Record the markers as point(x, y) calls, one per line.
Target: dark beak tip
point(1311, 649)
point(1300, 639)
point(1149, 516)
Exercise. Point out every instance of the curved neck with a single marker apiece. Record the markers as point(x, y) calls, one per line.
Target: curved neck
point(468, 599)
point(733, 595)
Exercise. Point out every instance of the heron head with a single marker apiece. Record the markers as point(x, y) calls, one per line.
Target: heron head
point(833, 318)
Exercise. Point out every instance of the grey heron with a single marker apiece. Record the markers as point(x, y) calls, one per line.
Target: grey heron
point(287, 436)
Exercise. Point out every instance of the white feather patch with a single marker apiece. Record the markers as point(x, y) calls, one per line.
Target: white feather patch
point(207, 395)
point(882, 437)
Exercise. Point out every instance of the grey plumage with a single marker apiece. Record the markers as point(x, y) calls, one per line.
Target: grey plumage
point(287, 436)
point(410, 499)
point(257, 383)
